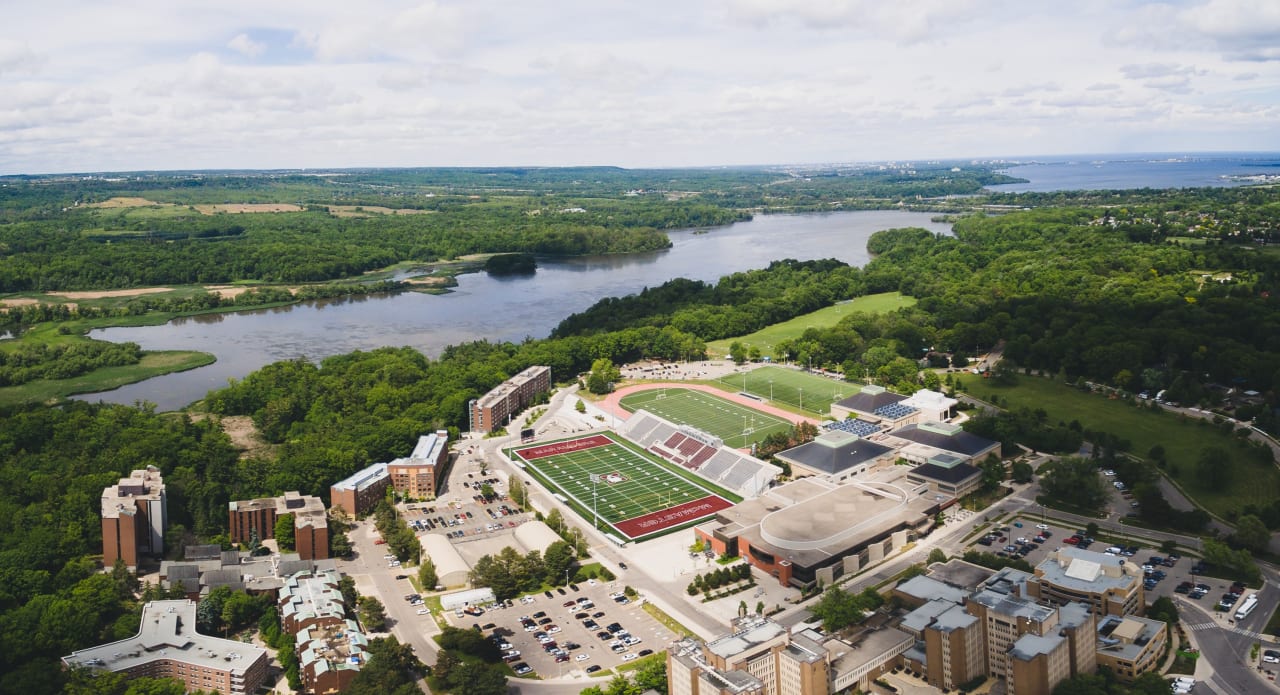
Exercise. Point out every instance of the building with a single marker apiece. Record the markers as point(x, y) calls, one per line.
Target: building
point(206, 567)
point(535, 535)
point(330, 648)
point(954, 648)
point(361, 491)
point(1111, 584)
point(451, 569)
point(494, 410)
point(1130, 646)
point(836, 454)
point(811, 530)
point(168, 646)
point(875, 405)
point(932, 405)
point(257, 518)
point(778, 662)
point(921, 442)
point(947, 475)
point(860, 657)
point(418, 475)
point(135, 516)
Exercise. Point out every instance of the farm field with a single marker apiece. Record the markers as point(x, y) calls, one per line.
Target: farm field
point(767, 338)
point(636, 495)
point(738, 426)
point(1182, 438)
point(801, 390)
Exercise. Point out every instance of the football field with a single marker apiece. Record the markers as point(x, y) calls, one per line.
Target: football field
point(808, 392)
point(738, 426)
point(635, 495)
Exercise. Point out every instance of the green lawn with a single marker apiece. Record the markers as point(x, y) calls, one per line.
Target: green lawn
point(737, 425)
point(768, 337)
point(1182, 438)
point(800, 390)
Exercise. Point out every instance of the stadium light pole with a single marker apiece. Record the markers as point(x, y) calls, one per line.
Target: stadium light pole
point(802, 399)
point(771, 389)
point(595, 480)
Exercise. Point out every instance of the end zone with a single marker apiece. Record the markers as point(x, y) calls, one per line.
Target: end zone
point(663, 519)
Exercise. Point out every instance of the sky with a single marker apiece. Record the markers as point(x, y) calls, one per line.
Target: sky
point(200, 84)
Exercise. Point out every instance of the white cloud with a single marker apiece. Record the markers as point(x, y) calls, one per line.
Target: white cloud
point(246, 46)
point(448, 82)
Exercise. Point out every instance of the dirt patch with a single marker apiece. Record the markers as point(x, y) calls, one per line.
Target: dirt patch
point(127, 202)
point(367, 210)
point(427, 282)
point(19, 301)
point(226, 291)
point(238, 208)
point(103, 294)
point(244, 435)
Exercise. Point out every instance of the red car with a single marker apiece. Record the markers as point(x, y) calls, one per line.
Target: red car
point(1072, 540)
point(379, 542)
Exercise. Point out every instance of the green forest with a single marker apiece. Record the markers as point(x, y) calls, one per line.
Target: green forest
point(1143, 290)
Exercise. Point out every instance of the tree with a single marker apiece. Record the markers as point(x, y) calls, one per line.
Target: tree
point(559, 561)
point(373, 615)
point(1073, 481)
point(284, 532)
point(1213, 468)
point(580, 406)
point(1164, 609)
point(936, 555)
point(427, 577)
point(1252, 533)
point(518, 493)
point(479, 679)
point(992, 473)
point(837, 609)
point(603, 375)
point(1091, 529)
point(1022, 472)
point(737, 352)
point(392, 669)
point(350, 596)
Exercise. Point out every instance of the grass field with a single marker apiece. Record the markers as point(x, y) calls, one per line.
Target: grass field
point(736, 425)
point(650, 498)
point(768, 337)
point(1182, 439)
point(806, 392)
point(104, 379)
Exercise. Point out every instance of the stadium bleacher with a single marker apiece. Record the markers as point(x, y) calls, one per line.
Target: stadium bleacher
point(861, 428)
point(720, 465)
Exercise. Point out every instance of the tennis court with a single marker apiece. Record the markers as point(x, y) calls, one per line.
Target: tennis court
point(738, 426)
point(808, 392)
point(632, 493)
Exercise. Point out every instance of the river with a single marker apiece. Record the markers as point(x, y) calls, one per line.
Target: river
point(483, 306)
point(1116, 172)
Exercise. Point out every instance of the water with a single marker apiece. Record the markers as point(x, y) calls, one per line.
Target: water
point(1109, 172)
point(483, 306)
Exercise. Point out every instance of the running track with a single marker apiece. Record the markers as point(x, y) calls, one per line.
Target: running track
point(610, 403)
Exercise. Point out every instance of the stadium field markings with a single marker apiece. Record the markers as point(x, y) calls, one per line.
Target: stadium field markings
point(736, 425)
point(649, 500)
point(808, 392)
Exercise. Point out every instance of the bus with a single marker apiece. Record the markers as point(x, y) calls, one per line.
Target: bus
point(1247, 607)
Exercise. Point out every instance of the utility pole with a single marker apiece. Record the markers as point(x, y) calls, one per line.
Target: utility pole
point(595, 480)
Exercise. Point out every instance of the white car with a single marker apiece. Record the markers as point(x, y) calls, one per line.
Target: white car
point(591, 582)
point(1042, 527)
point(423, 611)
point(1109, 473)
point(553, 629)
point(582, 657)
point(616, 594)
point(629, 657)
point(1271, 659)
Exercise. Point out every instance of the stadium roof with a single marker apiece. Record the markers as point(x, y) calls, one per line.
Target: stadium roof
point(862, 428)
point(834, 452)
point(951, 475)
point(869, 399)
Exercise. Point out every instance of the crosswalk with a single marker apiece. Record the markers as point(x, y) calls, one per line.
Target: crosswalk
point(1198, 627)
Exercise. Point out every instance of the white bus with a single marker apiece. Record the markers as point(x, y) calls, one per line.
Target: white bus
point(1247, 607)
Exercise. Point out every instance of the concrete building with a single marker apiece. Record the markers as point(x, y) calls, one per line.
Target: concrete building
point(535, 535)
point(1111, 584)
point(875, 405)
point(954, 648)
point(135, 516)
point(781, 663)
point(258, 517)
point(861, 656)
point(947, 475)
point(494, 409)
point(168, 646)
point(205, 568)
point(360, 492)
point(1130, 646)
point(932, 405)
point(836, 455)
point(811, 530)
point(921, 442)
point(451, 569)
point(418, 475)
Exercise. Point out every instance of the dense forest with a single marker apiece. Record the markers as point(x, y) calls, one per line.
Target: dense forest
point(1139, 290)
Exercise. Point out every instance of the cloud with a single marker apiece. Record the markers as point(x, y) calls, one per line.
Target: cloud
point(17, 57)
point(246, 46)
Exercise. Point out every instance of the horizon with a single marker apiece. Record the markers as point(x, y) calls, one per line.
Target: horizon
point(306, 85)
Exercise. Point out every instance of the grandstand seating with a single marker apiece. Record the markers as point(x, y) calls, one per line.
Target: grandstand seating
point(715, 463)
point(701, 457)
point(861, 428)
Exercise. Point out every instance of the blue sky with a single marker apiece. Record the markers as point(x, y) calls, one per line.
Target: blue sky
point(141, 84)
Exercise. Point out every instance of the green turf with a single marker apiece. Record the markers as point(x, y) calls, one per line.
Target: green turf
point(736, 425)
point(650, 485)
point(767, 338)
point(801, 390)
point(1182, 438)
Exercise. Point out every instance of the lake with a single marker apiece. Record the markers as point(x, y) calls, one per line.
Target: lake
point(498, 309)
point(1115, 172)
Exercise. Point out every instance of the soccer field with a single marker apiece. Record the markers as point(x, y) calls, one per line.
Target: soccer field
point(808, 392)
point(738, 426)
point(633, 494)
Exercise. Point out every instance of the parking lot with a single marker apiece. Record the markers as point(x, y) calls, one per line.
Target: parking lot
point(466, 513)
point(582, 628)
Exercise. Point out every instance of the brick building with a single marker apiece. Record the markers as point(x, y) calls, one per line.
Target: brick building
point(494, 409)
point(135, 517)
point(310, 523)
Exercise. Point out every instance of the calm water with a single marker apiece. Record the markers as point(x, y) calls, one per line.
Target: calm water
point(484, 307)
point(1108, 172)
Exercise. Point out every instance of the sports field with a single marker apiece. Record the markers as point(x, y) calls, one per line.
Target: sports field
point(738, 426)
point(767, 338)
point(808, 392)
point(633, 494)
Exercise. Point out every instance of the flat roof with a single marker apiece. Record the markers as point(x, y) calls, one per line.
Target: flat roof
point(920, 618)
point(957, 572)
point(953, 618)
point(932, 434)
point(834, 452)
point(1126, 637)
point(1013, 606)
point(362, 479)
point(753, 633)
point(926, 588)
point(505, 389)
point(869, 399)
point(1031, 645)
point(168, 630)
point(952, 475)
point(1087, 571)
